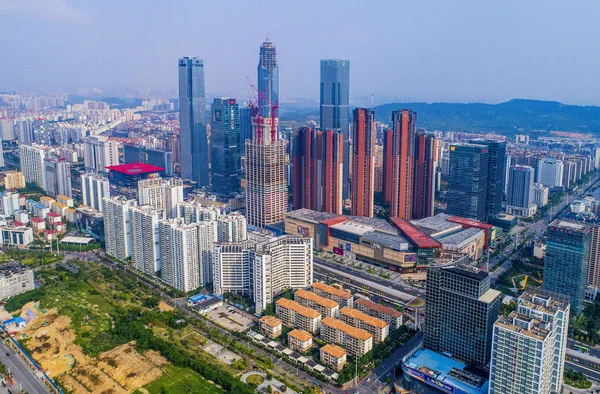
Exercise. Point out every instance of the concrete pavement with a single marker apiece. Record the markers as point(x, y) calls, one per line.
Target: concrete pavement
point(23, 375)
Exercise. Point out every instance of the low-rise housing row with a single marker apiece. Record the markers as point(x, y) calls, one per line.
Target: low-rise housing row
point(293, 314)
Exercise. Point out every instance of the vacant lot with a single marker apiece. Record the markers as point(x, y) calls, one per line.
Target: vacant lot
point(231, 319)
point(177, 380)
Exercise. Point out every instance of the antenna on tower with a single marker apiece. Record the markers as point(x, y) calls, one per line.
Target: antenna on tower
point(269, 35)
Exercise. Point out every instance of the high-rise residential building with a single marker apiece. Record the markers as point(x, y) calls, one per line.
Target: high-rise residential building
point(207, 236)
point(57, 177)
point(550, 172)
point(100, 152)
point(117, 226)
point(24, 131)
point(192, 119)
point(225, 152)
point(529, 346)
point(32, 164)
point(496, 175)
point(540, 195)
point(520, 198)
point(93, 189)
point(593, 275)
point(266, 174)
point(14, 180)
point(468, 181)
point(193, 212)
point(460, 312)
point(335, 108)
point(424, 183)
point(233, 263)
point(268, 79)
point(245, 127)
point(317, 170)
point(145, 239)
point(231, 228)
point(399, 145)
point(9, 203)
point(363, 161)
point(284, 262)
point(566, 260)
point(161, 193)
point(7, 129)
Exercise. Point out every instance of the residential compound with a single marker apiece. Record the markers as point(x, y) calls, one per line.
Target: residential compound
point(334, 356)
point(293, 314)
point(325, 306)
point(375, 326)
point(338, 295)
point(391, 316)
point(356, 341)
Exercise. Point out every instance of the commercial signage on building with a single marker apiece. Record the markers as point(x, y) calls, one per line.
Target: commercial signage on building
point(410, 258)
point(302, 231)
point(348, 247)
point(428, 380)
point(338, 251)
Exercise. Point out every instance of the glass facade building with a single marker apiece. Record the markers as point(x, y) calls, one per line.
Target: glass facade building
point(225, 146)
point(335, 107)
point(268, 79)
point(245, 127)
point(566, 261)
point(468, 181)
point(496, 175)
point(520, 186)
point(192, 119)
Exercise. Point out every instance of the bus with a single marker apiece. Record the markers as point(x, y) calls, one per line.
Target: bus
point(581, 348)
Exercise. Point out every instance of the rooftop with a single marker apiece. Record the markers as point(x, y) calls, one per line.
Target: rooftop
point(322, 301)
point(301, 310)
point(436, 224)
point(333, 350)
point(135, 168)
point(332, 290)
point(414, 235)
point(270, 321)
point(300, 335)
point(470, 223)
point(354, 332)
point(569, 225)
point(531, 328)
point(369, 320)
point(12, 268)
point(310, 215)
point(462, 238)
point(378, 307)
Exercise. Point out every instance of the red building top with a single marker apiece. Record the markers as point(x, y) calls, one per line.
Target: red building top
point(414, 235)
point(53, 214)
point(37, 220)
point(470, 223)
point(135, 168)
point(18, 224)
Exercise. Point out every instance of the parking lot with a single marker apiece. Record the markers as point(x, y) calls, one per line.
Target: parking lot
point(231, 319)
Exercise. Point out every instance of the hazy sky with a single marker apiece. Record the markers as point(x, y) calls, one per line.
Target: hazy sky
point(427, 50)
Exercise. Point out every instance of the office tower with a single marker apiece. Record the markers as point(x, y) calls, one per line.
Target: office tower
point(231, 228)
point(335, 109)
point(317, 170)
point(550, 172)
point(468, 181)
point(193, 212)
point(245, 127)
point(496, 175)
point(14, 180)
point(225, 153)
point(57, 177)
point(145, 239)
point(460, 311)
point(117, 226)
point(93, 189)
point(32, 164)
point(155, 157)
point(363, 161)
point(281, 263)
point(529, 346)
point(180, 265)
point(398, 155)
point(266, 174)
point(425, 172)
point(161, 193)
point(100, 152)
point(192, 120)
point(233, 262)
point(520, 186)
point(566, 261)
point(540, 195)
point(268, 80)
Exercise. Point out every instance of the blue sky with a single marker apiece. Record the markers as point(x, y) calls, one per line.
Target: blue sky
point(428, 50)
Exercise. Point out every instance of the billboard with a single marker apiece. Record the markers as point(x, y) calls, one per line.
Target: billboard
point(338, 251)
point(428, 379)
point(348, 247)
point(410, 258)
point(303, 231)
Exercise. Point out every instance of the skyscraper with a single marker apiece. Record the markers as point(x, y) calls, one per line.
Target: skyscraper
point(93, 189)
point(192, 119)
point(519, 198)
point(335, 110)
point(225, 146)
point(32, 164)
point(317, 169)
point(566, 261)
point(400, 163)
point(363, 165)
point(550, 172)
point(468, 181)
point(100, 152)
point(528, 351)
point(145, 239)
point(268, 79)
point(496, 175)
point(460, 312)
point(425, 172)
point(57, 177)
point(117, 226)
point(245, 127)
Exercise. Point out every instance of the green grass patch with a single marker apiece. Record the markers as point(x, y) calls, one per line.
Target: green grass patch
point(576, 379)
point(255, 379)
point(176, 380)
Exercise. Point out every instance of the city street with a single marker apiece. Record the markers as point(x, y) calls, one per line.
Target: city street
point(23, 375)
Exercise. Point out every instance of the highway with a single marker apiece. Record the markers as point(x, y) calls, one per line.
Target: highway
point(23, 375)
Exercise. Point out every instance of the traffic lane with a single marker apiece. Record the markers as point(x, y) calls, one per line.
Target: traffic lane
point(590, 373)
point(21, 372)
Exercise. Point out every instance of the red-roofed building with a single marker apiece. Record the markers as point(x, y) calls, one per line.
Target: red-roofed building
point(60, 227)
point(38, 225)
point(128, 174)
point(18, 224)
point(469, 223)
point(50, 235)
point(52, 218)
point(414, 235)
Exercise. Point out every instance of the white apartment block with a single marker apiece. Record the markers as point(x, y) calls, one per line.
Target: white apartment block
point(540, 195)
point(207, 236)
point(295, 315)
point(281, 263)
point(100, 152)
point(117, 226)
point(323, 305)
point(145, 239)
point(355, 341)
point(550, 172)
point(231, 228)
point(232, 269)
point(57, 177)
point(173, 191)
point(93, 189)
point(179, 254)
point(161, 194)
point(32, 164)
point(333, 356)
point(529, 346)
point(9, 202)
point(193, 212)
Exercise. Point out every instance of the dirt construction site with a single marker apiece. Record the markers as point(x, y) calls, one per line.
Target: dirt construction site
point(119, 370)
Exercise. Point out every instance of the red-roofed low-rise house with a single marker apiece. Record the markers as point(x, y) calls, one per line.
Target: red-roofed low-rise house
point(50, 235)
point(60, 227)
point(38, 225)
point(52, 218)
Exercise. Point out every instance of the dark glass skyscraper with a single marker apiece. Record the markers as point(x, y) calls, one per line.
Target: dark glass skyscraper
point(520, 186)
point(496, 175)
point(225, 146)
point(335, 100)
point(268, 78)
point(245, 126)
point(567, 259)
point(468, 181)
point(192, 120)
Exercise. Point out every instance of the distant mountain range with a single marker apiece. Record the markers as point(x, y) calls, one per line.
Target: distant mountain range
point(511, 117)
